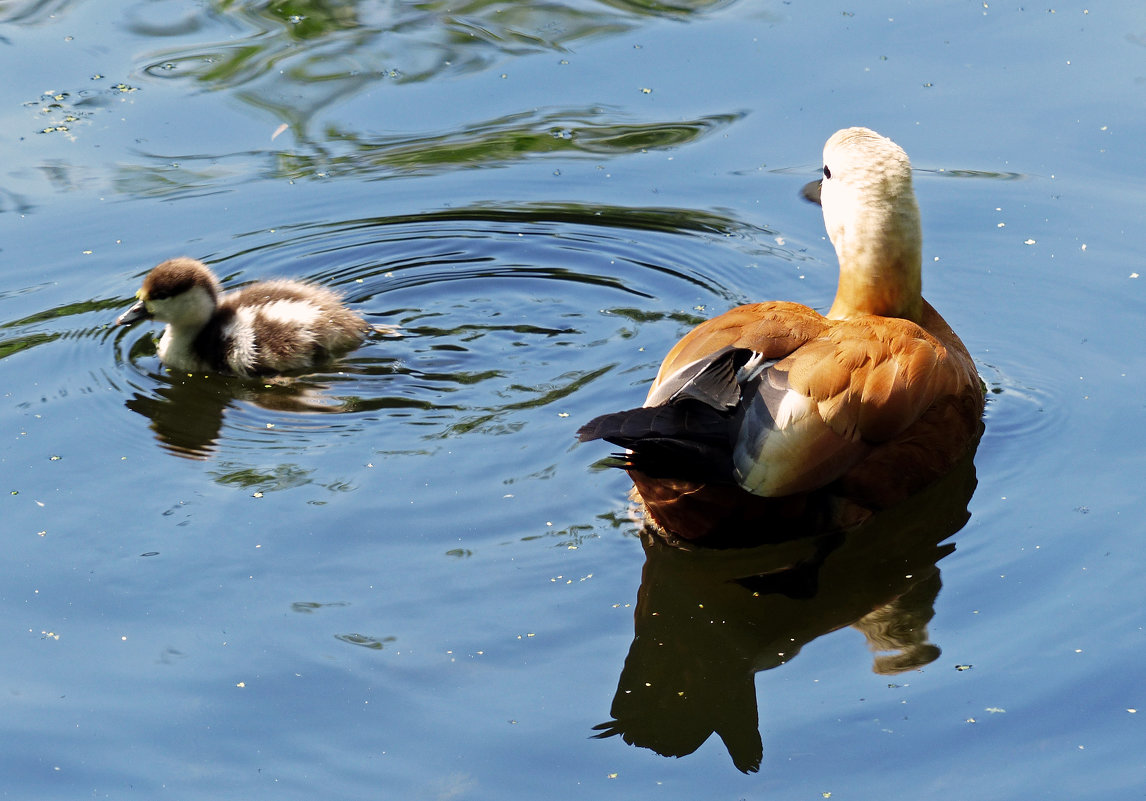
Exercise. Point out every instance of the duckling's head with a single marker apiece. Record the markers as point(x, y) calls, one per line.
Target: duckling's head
point(181, 292)
point(873, 222)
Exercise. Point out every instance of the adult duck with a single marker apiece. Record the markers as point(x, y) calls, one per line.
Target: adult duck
point(772, 420)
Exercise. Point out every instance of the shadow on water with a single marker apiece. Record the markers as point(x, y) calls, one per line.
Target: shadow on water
point(187, 411)
point(336, 49)
point(299, 58)
point(708, 620)
point(293, 62)
point(580, 133)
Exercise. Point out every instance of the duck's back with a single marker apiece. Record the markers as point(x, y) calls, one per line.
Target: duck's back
point(278, 327)
point(812, 397)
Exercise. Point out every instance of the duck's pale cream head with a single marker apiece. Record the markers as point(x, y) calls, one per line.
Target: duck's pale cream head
point(873, 222)
point(182, 292)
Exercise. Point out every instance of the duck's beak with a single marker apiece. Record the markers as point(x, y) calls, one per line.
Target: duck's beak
point(812, 192)
point(137, 312)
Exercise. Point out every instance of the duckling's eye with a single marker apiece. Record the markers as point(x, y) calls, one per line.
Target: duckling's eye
point(827, 172)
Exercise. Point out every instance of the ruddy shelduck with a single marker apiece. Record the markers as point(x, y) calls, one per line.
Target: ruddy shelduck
point(771, 417)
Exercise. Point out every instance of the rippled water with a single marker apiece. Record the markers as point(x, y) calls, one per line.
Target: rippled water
point(401, 576)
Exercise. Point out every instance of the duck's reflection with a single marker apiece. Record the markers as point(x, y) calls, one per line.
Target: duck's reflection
point(187, 411)
point(707, 620)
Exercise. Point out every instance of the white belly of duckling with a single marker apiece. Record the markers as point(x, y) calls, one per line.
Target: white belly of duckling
point(176, 349)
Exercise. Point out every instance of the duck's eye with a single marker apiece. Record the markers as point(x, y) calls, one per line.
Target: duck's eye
point(827, 172)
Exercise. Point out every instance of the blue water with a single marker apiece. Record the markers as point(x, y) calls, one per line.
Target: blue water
point(401, 577)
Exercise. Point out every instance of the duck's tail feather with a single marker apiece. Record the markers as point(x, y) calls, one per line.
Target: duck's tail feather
point(685, 439)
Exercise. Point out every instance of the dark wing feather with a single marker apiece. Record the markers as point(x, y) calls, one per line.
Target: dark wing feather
point(691, 420)
point(711, 380)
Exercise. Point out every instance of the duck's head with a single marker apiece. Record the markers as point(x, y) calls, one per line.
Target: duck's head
point(182, 292)
point(873, 222)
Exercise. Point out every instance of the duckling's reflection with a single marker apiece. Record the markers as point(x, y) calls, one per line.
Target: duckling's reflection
point(187, 412)
point(707, 620)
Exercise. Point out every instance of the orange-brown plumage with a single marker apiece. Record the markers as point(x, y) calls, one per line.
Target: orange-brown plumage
point(775, 416)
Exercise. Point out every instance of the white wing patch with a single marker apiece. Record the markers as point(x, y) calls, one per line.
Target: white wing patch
point(756, 365)
point(292, 312)
point(800, 452)
point(239, 334)
point(792, 408)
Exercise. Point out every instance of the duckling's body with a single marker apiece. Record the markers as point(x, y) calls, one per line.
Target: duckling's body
point(757, 412)
point(266, 328)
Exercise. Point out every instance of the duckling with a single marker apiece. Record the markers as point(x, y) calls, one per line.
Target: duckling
point(755, 412)
point(266, 328)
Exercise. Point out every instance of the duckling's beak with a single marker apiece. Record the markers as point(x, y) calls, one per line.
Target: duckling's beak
point(137, 312)
point(812, 191)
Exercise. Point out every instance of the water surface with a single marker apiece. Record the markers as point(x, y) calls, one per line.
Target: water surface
point(400, 576)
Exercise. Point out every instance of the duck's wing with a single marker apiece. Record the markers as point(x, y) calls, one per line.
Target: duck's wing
point(825, 405)
point(688, 431)
point(779, 400)
point(689, 423)
point(770, 330)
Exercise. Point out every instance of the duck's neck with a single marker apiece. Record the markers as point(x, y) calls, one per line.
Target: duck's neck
point(880, 269)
